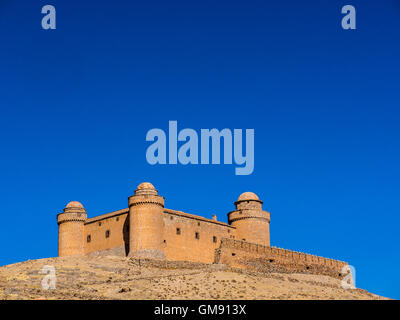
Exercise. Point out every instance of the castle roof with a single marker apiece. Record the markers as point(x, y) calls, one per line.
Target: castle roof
point(248, 196)
point(145, 185)
point(145, 188)
point(74, 204)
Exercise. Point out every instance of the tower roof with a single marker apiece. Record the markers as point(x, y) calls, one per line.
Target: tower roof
point(146, 185)
point(145, 188)
point(74, 204)
point(248, 196)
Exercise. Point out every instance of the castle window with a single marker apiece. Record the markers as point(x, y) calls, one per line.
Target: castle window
point(214, 239)
point(271, 260)
point(107, 233)
point(233, 254)
point(197, 235)
point(171, 217)
point(99, 224)
point(165, 241)
point(88, 239)
point(178, 230)
point(198, 223)
point(229, 231)
point(117, 218)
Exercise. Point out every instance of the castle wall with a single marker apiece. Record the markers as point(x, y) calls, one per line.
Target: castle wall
point(241, 254)
point(185, 246)
point(148, 230)
point(71, 230)
point(70, 238)
point(117, 225)
point(252, 230)
point(251, 221)
point(146, 223)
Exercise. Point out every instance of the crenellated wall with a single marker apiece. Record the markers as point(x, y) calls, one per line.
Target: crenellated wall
point(241, 254)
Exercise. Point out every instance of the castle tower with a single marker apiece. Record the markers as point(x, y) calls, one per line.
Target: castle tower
point(71, 229)
point(146, 222)
point(250, 220)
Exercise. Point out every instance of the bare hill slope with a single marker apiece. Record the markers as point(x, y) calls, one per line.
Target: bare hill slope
point(112, 277)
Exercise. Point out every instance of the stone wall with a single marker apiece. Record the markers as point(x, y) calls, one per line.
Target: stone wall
point(179, 246)
point(241, 254)
point(188, 237)
point(70, 231)
point(148, 230)
point(107, 231)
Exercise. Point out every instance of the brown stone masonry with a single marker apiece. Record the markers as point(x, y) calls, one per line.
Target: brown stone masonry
point(241, 254)
point(148, 230)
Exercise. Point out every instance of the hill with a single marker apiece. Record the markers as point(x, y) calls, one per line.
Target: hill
point(113, 277)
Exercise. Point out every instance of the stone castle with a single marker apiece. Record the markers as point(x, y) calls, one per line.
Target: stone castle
point(146, 229)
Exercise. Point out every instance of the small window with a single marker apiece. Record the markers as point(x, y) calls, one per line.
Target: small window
point(243, 239)
point(198, 223)
point(178, 230)
point(271, 260)
point(117, 218)
point(107, 233)
point(233, 254)
point(165, 241)
point(88, 239)
point(214, 239)
point(197, 235)
point(99, 224)
point(229, 231)
point(171, 218)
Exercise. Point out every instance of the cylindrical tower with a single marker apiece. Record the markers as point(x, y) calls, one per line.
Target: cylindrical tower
point(146, 223)
point(250, 220)
point(71, 230)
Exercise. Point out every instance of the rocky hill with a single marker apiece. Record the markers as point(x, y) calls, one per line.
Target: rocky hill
point(113, 277)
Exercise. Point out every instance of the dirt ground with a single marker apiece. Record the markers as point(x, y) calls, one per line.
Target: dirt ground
point(112, 277)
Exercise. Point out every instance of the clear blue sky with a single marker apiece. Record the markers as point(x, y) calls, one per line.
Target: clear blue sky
point(76, 104)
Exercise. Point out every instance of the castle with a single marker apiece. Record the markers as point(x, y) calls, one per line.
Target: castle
point(146, 229)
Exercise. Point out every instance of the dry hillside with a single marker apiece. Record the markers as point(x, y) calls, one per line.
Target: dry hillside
point(112, 277)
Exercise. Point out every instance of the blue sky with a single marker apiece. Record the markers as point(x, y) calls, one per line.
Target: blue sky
point(76, 104)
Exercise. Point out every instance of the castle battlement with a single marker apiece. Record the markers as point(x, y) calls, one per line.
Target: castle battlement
point(146, 229)
point(241, 254)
